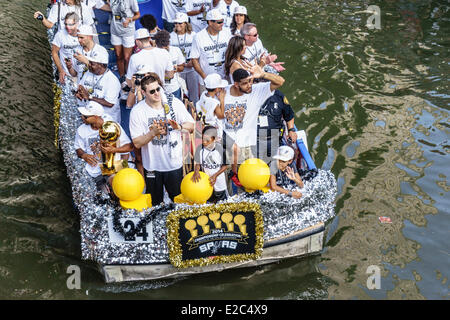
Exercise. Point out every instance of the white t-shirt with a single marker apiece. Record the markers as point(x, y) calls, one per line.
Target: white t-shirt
point(156, 59)
point(173, 84)
point(85, 18)
point(171, 7)
point(87, 139)
point(81, 67)
point(241, 113)
point(67, 45)
point(255, 51)
point(228, 11)
point(184, 42)
point(105, 86)
point(211, 161)
point(198, 21)
point(158, 155)
point(123, 9)
point(210, 50)
point(207, 105)
point(91, 4)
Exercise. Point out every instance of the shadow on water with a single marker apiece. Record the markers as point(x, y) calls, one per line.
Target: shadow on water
point(374, 104)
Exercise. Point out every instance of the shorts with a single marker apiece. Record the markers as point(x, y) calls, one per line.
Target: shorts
point(126, 42)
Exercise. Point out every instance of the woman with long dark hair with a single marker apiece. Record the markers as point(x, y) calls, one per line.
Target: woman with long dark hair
point(234, 56)
point(240, 17)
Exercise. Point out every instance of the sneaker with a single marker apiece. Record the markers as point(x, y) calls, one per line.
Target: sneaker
point(236, 181)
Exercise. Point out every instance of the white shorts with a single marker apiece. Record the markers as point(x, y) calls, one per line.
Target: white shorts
point(126, 42)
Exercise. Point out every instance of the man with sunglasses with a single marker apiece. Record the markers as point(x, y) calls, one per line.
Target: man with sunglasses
point(65, 44)
point(255, 52)
point(99, 84)
point(209, 46)
point(155, 127)
point(242, 102)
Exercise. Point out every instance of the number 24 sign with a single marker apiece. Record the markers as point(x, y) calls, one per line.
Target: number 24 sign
point(144, 235)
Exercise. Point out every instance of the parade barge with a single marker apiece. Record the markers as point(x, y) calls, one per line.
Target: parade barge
point(161, 243)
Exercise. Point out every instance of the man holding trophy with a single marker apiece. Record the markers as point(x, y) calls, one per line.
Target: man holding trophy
point(101, 143)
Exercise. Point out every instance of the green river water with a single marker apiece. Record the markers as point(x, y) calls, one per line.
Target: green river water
point(374, 104)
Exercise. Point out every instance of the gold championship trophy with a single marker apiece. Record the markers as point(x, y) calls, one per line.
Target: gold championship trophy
point(109, 134)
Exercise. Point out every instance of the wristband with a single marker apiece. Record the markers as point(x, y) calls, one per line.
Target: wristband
point(291, 130)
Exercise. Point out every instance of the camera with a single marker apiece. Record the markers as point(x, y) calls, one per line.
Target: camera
point(40, 17)
point(138, 78)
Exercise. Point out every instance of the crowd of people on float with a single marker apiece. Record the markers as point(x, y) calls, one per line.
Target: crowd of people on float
point(209, 56)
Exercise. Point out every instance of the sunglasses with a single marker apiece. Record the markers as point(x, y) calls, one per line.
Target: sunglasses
point(218, 22)
point(253, 35)
point(70, 24)
point(153, 91)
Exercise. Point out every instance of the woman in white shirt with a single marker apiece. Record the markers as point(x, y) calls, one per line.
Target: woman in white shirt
point(182, 37)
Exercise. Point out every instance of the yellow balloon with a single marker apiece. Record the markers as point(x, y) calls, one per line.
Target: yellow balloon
point(196, 192)
point(128, 184)
point(254, 174)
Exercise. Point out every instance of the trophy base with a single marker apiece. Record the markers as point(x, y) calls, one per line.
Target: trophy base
point(118, 165)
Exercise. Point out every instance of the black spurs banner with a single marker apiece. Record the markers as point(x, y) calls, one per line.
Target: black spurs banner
point(221, 233)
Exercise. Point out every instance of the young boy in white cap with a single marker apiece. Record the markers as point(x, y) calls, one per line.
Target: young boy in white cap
point(283, 174)
point(210, 106)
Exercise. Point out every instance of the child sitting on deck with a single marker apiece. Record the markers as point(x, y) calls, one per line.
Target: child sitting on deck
point(283, 173)
point(209, 159)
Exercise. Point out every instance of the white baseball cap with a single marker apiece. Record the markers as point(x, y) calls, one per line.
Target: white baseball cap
point(240, 10)
point(214, 80)
point(181, 17)
point(214, 14)
point(86, 30)
point(284, 153)
point(141, 33)
point(100, 55)
point(92, 109)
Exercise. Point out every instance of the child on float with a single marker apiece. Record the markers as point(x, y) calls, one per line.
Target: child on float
point(210, 107)
point(283, 173)
point(209, 159)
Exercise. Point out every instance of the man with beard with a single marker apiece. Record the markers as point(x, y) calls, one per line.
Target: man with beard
point(209, 46)
point(99, 84)
point(242, 102)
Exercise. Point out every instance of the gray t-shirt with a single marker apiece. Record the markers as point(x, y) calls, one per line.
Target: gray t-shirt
point(122, 9)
